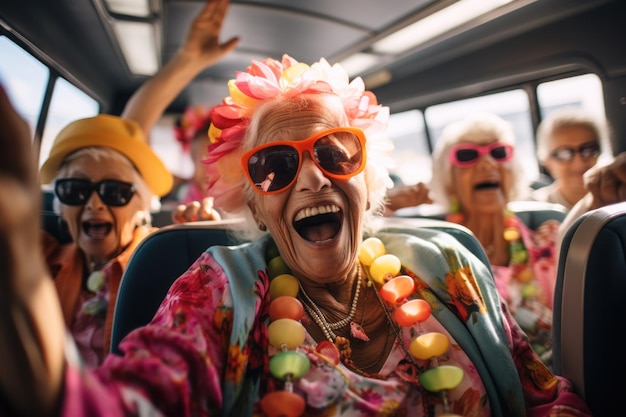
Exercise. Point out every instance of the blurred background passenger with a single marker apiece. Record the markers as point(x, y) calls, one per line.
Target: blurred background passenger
point(192, 132)
point(569, 142)
point(475, 176)
point(105, 175)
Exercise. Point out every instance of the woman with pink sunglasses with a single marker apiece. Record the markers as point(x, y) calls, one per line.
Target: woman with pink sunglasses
point(475, 176)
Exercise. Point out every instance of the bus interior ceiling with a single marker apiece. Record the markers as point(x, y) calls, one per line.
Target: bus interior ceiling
point(536, 39)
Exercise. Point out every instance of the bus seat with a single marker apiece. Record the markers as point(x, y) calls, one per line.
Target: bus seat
point(532, 213)
point(50, 222)
point(165, 254)
point(154, 265)
point(535, 213)
point(461, 233)
point(588, 318)
point(47, 199)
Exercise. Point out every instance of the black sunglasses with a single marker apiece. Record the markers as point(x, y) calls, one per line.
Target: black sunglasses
point(567, 153)
point(76, 191)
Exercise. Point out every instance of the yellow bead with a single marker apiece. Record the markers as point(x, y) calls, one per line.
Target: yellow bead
point(429, 345)
point(284, 284)
point(511, 234)
point(286, 332)
point(370, 249)
point(384, 268)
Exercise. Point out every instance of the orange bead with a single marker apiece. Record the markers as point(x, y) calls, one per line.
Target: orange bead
point(397, 289)
point(286, 307)
point(411, 312)
point(283, 404)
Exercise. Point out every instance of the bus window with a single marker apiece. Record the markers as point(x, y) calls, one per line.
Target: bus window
point(582, 91)
point(512, 106)
point(411, 153)
point(24, 78)
point(68, 103)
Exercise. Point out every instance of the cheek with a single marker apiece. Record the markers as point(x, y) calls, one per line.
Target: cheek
point(71, 216)
point(126, 220)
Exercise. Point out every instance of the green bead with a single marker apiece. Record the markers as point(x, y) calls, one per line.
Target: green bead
point(441, 378)
point(290, 364)
point(276, 266)
point(271, 253)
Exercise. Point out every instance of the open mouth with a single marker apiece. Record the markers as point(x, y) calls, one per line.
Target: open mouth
point(487, 185)
point(97, 230)
point(318, 224)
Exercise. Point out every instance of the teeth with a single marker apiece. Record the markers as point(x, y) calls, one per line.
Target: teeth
point(314, 211)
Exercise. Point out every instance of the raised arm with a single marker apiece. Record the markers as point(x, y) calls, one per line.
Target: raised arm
point(31, 324)
point(202, 48)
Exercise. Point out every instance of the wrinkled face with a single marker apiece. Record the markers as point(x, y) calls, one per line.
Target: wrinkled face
point(483, 187)
point(316, 223)
point(101, 231)
point(570, 173)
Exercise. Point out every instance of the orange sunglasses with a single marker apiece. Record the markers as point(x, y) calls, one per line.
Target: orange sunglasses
point(274, 166)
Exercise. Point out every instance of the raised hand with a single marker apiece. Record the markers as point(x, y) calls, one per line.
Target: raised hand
point(607, 184)
point(203, 39)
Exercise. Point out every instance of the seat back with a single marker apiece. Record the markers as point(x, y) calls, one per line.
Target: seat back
point(154, 265)
point(165, 254)
point(531, 213)
point(535, 213)
point(588, 321)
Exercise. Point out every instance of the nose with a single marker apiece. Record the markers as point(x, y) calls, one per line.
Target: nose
point(94, 202)
point(486, 161)
point(311, 177)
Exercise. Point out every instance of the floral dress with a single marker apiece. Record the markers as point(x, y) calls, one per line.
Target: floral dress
point(206, 352)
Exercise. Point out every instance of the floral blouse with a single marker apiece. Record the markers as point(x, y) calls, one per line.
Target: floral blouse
point(528, 287)
point(206, 352)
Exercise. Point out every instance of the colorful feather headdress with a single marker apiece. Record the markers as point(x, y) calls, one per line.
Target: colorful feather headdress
point(270, 79)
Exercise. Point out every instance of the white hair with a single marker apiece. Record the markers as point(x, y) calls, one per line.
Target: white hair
point(566, 117)
point(479, 128)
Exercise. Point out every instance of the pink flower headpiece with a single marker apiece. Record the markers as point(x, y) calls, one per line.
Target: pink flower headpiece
point(270, 79)
point(193, 119)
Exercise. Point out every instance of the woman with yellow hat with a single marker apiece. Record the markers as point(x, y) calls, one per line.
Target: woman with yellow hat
point(104, 177)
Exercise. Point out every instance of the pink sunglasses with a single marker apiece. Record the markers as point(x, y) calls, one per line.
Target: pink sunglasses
point(467, 154)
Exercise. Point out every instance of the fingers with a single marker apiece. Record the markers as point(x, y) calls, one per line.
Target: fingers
point(607, 184)
point(196, 211)
point(207, 212)
point(421, 194)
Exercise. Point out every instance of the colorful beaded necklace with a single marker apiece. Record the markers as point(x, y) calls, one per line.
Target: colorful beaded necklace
point(286, 331)
point(518, 255)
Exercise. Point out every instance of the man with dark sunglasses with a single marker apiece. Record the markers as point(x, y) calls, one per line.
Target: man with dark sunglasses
point(568, 145)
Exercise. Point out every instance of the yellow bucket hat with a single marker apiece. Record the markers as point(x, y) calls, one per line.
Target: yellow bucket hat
point(123, 135)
